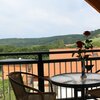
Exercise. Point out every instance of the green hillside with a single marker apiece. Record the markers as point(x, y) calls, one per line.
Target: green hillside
point(39, 41)
point(96, 42)
point(67, 39)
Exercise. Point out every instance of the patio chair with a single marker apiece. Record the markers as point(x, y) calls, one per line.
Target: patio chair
point(22, 91)
point(95, 92)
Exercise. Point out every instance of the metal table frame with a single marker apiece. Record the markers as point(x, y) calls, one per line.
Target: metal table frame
point(73, 80)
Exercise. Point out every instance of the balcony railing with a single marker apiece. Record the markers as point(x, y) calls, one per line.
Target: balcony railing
point(45, 64)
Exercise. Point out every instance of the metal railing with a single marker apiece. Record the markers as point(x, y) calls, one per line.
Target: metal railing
point(45, 64)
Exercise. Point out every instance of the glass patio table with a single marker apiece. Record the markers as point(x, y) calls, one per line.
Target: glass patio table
point(73, 80)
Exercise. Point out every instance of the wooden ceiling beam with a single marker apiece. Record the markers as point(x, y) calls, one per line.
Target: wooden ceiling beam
point(95, 4)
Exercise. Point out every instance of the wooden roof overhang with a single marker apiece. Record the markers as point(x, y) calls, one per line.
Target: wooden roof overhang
point(95, 4)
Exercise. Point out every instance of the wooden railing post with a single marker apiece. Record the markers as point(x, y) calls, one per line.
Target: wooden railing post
point(40, 73)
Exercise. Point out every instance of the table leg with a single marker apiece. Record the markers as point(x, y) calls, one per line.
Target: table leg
point(76, 94)
point(83, 94)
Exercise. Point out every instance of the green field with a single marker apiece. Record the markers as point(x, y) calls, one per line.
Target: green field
point(96, 42)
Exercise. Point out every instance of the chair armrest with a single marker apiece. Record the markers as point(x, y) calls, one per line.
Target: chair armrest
point(28, 87)
point(47, 79)
point(97, 71)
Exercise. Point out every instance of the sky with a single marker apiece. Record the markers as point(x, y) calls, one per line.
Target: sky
point(46, 18)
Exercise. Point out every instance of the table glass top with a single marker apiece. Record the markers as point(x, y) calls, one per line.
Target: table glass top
point(76, 79)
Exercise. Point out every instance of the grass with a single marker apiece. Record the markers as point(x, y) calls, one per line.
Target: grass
point(96, 42)
point(5, 90)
